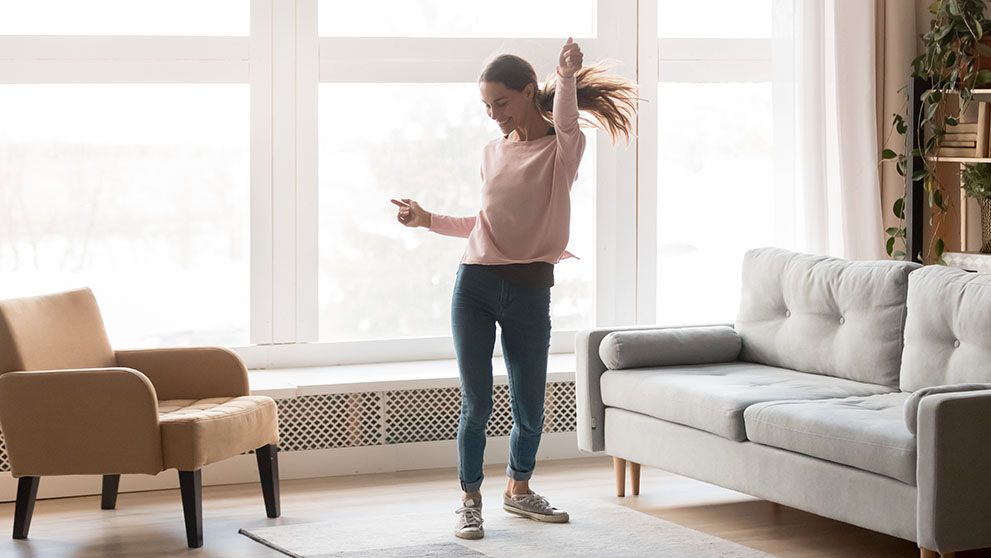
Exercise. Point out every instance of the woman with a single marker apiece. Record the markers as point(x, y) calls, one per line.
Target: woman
point(508, 267)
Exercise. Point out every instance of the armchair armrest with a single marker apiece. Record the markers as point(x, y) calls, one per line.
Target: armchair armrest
point(79, 422)
point(190, 373)
point(588, 396)
point(954, 471)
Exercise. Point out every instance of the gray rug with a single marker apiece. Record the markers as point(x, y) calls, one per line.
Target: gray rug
point(597, 529)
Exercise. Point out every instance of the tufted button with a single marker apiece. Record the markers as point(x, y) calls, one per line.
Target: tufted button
point(842, 320)
point(956, 342)
point(787, 313)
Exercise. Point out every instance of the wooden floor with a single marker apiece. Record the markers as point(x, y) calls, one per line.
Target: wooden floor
point(150, 524)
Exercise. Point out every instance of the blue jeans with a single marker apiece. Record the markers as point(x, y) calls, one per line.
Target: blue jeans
point(482, 299)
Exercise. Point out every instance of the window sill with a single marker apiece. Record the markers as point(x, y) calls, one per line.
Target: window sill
point(288, 383)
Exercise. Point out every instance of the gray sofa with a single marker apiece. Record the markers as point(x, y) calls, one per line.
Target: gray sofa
point(857, 391)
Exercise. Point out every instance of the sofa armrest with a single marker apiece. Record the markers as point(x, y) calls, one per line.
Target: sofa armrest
point(190, 373)
point(588, 396)
point(912, 403)
point(80, 422)
point(672, 346)
point(954, 471)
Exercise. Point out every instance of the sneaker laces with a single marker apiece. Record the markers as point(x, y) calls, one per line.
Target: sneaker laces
point(471, 516)
point(534, 500)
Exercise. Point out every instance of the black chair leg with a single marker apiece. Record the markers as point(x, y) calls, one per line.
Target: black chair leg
point(191, 486)
point(268, 471)
point(27, 493)
point(110, 485)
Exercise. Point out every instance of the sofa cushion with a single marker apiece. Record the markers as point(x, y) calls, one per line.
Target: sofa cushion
point(868, 433)
point(664, 347)
point(824, 315)
point(712, 397)
point(946, 333)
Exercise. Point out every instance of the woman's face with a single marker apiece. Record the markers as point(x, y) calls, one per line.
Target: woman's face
point(509, 108)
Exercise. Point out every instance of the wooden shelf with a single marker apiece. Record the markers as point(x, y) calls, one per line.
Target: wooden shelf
point(961, 159)
point(971, 261)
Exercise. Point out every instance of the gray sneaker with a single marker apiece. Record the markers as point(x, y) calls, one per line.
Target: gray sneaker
point(469, 520)
point(534, 506)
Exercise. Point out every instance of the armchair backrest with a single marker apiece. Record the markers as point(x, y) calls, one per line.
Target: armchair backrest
point(53, 332)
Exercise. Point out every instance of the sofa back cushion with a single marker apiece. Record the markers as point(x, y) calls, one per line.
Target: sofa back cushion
point(948, 329)
point(824, 315)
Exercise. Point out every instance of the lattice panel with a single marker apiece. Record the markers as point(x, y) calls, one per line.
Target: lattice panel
point(422, 415)
point(348, 420)
point(4, 462)
point(337, 420)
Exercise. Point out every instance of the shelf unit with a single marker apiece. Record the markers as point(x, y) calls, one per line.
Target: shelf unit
point(915, 206)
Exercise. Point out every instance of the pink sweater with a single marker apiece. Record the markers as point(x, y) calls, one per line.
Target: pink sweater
point(526, 193)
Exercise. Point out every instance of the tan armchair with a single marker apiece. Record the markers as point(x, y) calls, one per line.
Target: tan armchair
point(71, 405)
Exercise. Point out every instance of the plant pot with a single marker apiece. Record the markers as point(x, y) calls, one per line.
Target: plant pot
point(985, 204)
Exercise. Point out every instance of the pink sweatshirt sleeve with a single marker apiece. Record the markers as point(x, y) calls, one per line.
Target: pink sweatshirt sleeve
point(571, 140)
point(452, 226)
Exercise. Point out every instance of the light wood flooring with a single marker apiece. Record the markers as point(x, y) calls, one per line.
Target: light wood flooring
point(149, 524)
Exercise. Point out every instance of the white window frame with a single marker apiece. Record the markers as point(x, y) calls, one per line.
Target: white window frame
point(679, 60)
point(283, 61)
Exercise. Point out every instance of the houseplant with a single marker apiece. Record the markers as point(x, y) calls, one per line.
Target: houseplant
point(950, 62)
point(975, 179)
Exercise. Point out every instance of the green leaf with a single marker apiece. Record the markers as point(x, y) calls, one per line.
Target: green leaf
point(951, 121)
point(937, 196)
point(898, 255)
point(890, 245)
point(888, 154)
point(983, 77)
point(919, 174)
point(939, 248)
point(983, 49)
point(980, 30)
point(940, 261)
point(899, 208)
point(891, 231)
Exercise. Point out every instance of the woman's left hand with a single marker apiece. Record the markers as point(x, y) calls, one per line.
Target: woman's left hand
point(570, 60)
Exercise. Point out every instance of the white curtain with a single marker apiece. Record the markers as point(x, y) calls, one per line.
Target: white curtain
point(825, 128)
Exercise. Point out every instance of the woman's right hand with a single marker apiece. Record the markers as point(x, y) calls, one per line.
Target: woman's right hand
point(411, 214)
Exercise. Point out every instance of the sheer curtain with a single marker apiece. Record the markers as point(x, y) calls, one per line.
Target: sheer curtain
point(825, 128)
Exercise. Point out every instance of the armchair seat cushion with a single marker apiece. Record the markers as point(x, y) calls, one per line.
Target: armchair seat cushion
point(197, 432)
point(868, 433)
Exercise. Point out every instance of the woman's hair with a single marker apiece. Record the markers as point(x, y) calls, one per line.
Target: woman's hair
point(611, 100)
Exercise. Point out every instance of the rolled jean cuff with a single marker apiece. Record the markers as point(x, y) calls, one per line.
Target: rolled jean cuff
point(471, 486)
point(516, 475)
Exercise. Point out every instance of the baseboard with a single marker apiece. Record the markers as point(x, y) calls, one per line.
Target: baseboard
point(306, 464)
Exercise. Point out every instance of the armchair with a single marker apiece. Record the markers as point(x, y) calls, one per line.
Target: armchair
point(71, 405)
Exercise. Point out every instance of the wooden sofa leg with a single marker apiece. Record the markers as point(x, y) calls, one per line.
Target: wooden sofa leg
point(268, 472)
point(191, 487)
point(619, 466)
point(635, 478)
point(926, 553)
point(27, 493)
point(110, 485)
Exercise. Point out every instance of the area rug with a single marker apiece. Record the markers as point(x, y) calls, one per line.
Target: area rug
point(597, 529)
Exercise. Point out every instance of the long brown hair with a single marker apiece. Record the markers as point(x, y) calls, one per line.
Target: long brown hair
point(611, 100)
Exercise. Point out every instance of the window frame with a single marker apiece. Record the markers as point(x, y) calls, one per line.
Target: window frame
point(283, 61)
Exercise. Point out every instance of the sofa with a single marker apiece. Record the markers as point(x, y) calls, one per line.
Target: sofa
point(858, 391)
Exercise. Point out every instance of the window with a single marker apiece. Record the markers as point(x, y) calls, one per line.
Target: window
point(714, 168)
point(124, 17)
